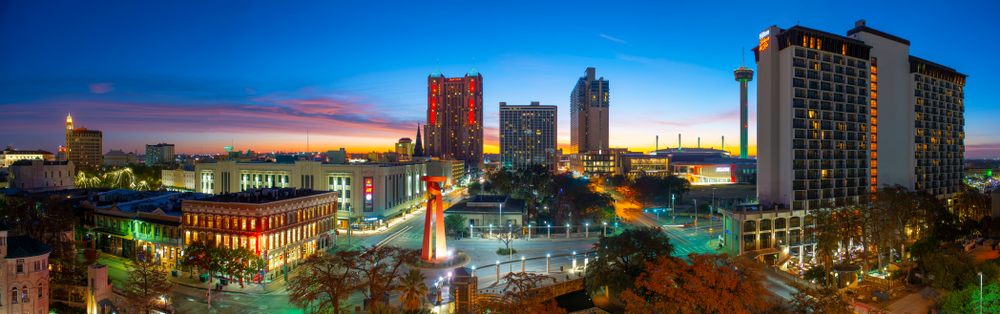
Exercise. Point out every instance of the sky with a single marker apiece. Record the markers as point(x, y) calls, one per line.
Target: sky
point(261, 75)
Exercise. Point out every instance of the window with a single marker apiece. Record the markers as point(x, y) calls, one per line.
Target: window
point(13, 295)
point(24, 294)
point(40, 290)
point(20, 266)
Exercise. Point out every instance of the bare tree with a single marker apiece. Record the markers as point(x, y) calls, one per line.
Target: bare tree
point(378, 268)
point(324, 284)
point(147, 285)
point(507, 234)
point(521, 295)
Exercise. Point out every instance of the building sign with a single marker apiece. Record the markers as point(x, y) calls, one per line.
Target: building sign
point(764, 43)
point(765, 33)
point(369, 191)
point(371, 218)
point(721, 169)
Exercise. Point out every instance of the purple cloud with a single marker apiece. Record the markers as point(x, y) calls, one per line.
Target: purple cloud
point(101, 88)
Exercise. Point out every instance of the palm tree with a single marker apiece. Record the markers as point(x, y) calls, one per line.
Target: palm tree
point(414, 290)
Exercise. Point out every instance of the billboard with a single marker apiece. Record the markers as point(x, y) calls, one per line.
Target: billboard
point(369, 194)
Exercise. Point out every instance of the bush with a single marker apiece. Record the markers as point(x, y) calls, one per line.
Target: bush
point(503, 251)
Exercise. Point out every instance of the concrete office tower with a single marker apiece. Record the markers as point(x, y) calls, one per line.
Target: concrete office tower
point(161, 153)
point(528, 136)
point(820, 97)
point(83, 147)
point(743, 75)
point(454, 127)
point(588, 109)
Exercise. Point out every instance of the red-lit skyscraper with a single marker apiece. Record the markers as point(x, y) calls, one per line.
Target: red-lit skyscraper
point(454, 127)
point(743, 75)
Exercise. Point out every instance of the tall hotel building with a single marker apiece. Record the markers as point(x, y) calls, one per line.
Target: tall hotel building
point(839, 117)
point(83, 147)
point(588, 109)
point(454, 127)
point(528, 136)
point(820, 97)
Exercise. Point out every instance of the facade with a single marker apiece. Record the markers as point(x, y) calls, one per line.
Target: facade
point(771, 234)
point(161, 153)
point(127, 222)
point(83, 147)
point(639, 165)
point(24, 274)
point(606, 162)
point(820, 96)
point(283, 225)
point(588, 109)
point(485, 210)
point(404, 149)
point(40, 176)
point(119, 158)
point(178, 179)
point(452, 170)
point(10, 155)
point(336, 156)
point(392, 189)
point(528, 136)
point(61, 154)
point(454, 127)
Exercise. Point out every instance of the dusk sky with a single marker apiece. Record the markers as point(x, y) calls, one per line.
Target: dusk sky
point(204, 74)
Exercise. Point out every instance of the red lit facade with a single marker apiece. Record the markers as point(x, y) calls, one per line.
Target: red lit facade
point(454, 127)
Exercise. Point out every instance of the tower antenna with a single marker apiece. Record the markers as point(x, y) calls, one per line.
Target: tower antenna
point(743, 50)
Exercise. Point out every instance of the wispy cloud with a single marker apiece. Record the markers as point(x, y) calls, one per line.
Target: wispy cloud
point(613, 39)
point(101, 88)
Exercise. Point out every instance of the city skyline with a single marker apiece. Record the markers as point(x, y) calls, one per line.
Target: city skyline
point(265, 84)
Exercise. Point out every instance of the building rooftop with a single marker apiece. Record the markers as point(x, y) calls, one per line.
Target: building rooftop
point(29, 162)
point(11, 151)
point(130, 201)
point(262, 196)
point(25, 246)
point(482, 204)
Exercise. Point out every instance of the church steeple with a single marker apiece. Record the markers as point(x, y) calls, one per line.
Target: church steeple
point(418, 149)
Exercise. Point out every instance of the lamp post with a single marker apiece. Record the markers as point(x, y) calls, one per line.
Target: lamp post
point(586, 229)
point(567, 231)
point(549, 231)
point(491, 230)
point(510, 253)
point(980, 292)
point(605, 232)
point(710, 210)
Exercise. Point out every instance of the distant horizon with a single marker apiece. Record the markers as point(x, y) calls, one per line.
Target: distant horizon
point(260, 76)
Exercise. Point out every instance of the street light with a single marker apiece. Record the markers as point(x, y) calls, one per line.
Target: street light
point(980, 292)
point(605, 232)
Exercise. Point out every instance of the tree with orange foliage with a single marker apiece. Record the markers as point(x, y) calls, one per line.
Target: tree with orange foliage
point(704, 283)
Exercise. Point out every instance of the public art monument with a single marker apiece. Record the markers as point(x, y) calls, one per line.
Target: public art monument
point(434, 248)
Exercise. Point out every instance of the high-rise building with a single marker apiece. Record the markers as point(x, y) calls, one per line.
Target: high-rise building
point(528, 136)
point(820, 97)
point(83, 147)
point(161, 153)
point(454, 127)
point(743, 75)
point(588, 108)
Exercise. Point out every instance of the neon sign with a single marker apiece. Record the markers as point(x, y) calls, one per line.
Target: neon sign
point(764, 42)
point(369, 190)
point(721, 169)
point(765, 33)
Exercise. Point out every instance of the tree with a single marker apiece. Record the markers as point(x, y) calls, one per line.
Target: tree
point(819, 300)
point(947, 267)
point(326, 279)
point(594, 205)
point(202, 255)
point(507, 234)
point(147, 285)
point(816, 274)
point(968, 300)
point(455, 222)
point(521, 295)
point(413, 289)
point(706, 283)
point(474, 188)
point(621, 258)
point(378, 268)
point(617, 180)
